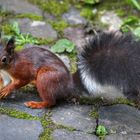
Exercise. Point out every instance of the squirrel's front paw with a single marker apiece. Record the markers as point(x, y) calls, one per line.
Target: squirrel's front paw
point(4, 93)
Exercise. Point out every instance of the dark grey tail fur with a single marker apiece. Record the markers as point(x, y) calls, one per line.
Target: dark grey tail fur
point(110, 65)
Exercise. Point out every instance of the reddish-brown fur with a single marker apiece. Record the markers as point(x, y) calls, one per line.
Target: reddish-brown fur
point(39, 66)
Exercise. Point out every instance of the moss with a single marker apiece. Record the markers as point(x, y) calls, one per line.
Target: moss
point(66, 127)
point(121, 5)
point(120, 12)
point(124, 101)
point(6, 28)
point(47, 41)
point(94, 114)
point(29, 15)
point(48, 126)
point(28, 88)
point(59, 25)
point(5, 14)
point(99, 101)
point(73, 61)
point(96, 101)
point(16, 114)
point(87, 13)
point(54, 7)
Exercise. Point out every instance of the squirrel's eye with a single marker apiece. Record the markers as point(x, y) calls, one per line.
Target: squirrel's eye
point(4, 59)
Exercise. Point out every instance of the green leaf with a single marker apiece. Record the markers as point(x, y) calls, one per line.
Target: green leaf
point(131, 20)
point(15, 28)
point(136, 32)
point(63, 45)
point(91, 1)
point(136, 4)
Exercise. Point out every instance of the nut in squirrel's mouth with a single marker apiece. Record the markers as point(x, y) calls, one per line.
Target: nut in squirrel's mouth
point(5, 79)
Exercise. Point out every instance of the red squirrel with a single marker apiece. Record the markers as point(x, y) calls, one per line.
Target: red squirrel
point(34, 65)
point(108, 67)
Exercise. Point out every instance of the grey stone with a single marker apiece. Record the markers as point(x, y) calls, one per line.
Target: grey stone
point(20, 6)
point(38, 29)
point(65, 59)
point(16, 101)
point(123, 137)
point(75, 116)
point(61, 134)
point(73, 17)
point(19, 129)
point(110, 18)
point(48, 16)
point(77, 36)
point(40, 46)
point(123, 119)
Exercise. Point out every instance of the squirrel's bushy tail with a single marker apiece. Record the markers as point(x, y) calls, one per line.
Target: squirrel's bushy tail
point(109, 65)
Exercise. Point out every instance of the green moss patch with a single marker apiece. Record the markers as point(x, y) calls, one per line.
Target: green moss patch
point(59, 25)
point(125, 101)
point(29, 15)
point(54, 7)
point(94, 114)
point(87, 13)
point(48, 126)
point(73, 61)
point(16, 114)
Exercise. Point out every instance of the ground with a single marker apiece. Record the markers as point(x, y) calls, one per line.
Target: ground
point(66, 120)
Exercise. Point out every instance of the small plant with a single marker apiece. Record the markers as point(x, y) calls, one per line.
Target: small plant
point(131, 24)
point(21, 39)
point(26, 38)
point(135, 3)
point(101, 132)
point(91, 1)
point(63, 45)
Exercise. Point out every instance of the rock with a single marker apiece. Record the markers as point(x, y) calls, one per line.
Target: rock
point(123, 137)
point(61, 134)
point(77, 36)
point(19, 129)
point(48, 16)
point(110, 18)
point(20, 6)
point(40, 46)
point(38, 29)
point(16, 101)
point(123, 119)
point(75, 116)
point(73, 17)
point(66, 60)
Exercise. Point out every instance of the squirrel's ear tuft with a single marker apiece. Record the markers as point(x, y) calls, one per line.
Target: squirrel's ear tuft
point(10, 45)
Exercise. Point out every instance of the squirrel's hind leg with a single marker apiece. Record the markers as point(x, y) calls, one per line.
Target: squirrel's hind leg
point(46, 84)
